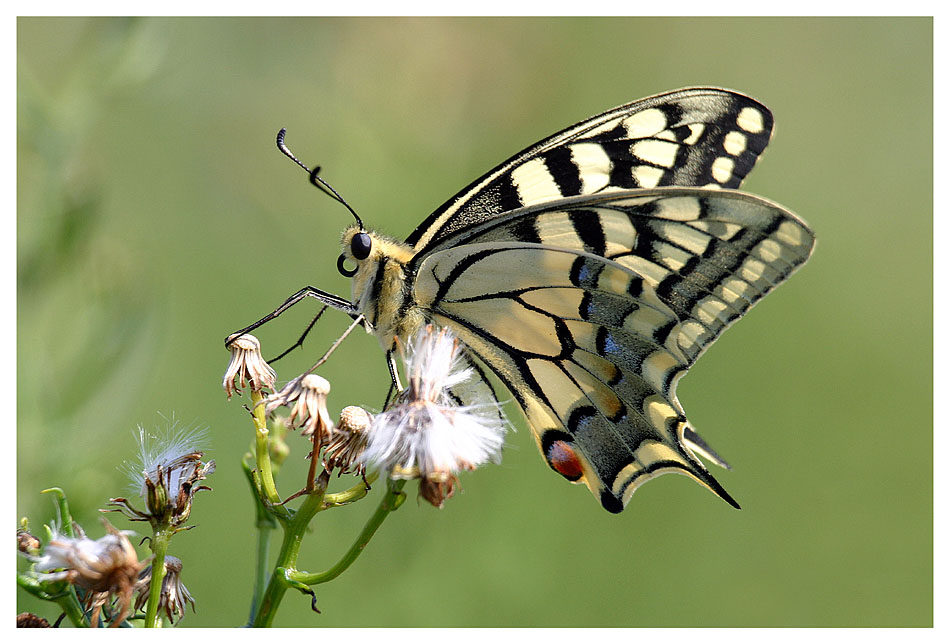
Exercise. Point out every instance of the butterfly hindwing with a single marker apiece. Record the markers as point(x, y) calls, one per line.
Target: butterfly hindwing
point(590, 341)
point(691, 137)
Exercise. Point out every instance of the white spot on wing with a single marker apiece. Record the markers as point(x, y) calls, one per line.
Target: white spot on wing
point(653, 273)
point(769, 250)
point(734, 143)
point(791, 234)
point(750, 120)
point(733, 290)
point(722, 169)
point(645, 123)
point(695, 131)
point(678, 208)
point(709, 311)
point(752, 270)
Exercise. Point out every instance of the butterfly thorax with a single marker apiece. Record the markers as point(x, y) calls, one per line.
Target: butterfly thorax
point(381, 289)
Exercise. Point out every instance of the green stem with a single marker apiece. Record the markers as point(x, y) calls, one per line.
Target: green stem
point(355, 493)
point(265, 524)
point(62, 593)
point(260, 574)
point(263, 453)
point(63, 506)
point(72, 608)
point(390, 501)
point(294, 532)
point(160, 539)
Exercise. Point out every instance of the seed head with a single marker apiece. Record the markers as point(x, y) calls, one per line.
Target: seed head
point(425, 434)
point(167, 476)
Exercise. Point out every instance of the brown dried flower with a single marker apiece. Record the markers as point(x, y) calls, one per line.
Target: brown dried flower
point(306, 397)
point(348, 441)
point(175, 595)
point(106, 567)
point(247, 366)
point(29, 620)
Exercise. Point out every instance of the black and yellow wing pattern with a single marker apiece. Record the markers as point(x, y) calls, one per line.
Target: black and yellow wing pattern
point(591, 321)
point(588, 272)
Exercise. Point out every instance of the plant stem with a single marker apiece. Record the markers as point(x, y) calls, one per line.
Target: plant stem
point(160, 539)
point(351, 495)
point(265, 524)
point(72, 608)
point(65, 597)
point(263, 453)
point(390, 501)
point(294, 531)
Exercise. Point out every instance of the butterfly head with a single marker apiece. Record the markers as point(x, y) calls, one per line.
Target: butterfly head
point(376, 265)
point(357, 245)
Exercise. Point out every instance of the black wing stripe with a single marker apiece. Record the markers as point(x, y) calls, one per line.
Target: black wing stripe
point(690, 137)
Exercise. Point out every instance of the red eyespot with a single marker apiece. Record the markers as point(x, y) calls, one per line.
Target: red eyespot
point(563, 459)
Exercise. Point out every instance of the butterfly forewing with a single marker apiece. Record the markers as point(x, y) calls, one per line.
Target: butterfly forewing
point(691, 137)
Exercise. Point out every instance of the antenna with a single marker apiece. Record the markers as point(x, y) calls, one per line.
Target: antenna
point(314, 176)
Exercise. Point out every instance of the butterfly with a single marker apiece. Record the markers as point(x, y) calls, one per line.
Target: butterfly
point(588, 272)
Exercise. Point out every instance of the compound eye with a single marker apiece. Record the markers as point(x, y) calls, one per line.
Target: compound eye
point(361, 245)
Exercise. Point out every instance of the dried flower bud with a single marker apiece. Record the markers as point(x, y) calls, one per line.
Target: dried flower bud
point(26, 542)
point(306, 396)
point(247, 366)
point(29, 620)
point(347, 443)
point(105, 567)
point(175, 595)
point(436, 488)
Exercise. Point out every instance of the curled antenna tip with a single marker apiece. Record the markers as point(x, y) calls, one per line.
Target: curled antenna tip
point(286, 151)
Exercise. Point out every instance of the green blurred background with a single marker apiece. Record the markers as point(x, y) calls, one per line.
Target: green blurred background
point(155, 215)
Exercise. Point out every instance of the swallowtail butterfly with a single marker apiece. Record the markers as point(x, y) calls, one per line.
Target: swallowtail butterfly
point(588, 272)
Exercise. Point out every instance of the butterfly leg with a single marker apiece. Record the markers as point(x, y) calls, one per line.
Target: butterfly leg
point(299, 342)
point(394, 374)
point(328, 299)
